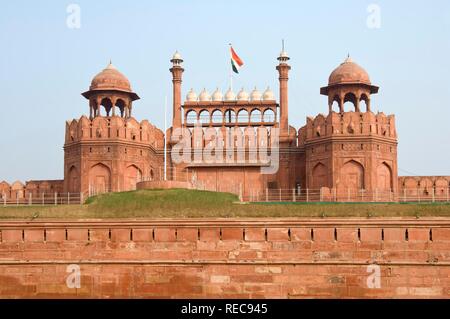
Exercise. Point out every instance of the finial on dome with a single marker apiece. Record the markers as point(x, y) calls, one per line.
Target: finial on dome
point(255, 95)
point(191, 96)
point(110, 65)
point(217, 95)
point(204, 96)
point(229, 95)
point(283, 58)
point(348, 59)
point(242, 95)
point(268, 94)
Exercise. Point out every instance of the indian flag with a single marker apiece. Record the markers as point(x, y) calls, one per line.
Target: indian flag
point(236, 62)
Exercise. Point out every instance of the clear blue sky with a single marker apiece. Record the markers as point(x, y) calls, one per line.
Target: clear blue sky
point(45, 65)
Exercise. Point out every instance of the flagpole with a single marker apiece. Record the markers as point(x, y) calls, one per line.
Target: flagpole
point(231, 72)
point(165, 140)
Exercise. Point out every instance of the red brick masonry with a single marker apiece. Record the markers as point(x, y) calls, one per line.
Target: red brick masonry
point(226, 258)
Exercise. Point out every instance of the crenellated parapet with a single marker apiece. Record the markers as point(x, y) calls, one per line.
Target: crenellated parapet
point(348, 124)
point(114, 128)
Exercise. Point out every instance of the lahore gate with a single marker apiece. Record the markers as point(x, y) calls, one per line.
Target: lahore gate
point(341, 155)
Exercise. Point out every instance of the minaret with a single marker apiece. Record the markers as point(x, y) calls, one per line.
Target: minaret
point(283, 70)
point(177, 72)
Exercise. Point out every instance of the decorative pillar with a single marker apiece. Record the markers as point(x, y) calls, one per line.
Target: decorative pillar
point(341, 104)
point(90, 110)
point(177, 72)
point(357, 105)
point(283, 71)
point(114, 107)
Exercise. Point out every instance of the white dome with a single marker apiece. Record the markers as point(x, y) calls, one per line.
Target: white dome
point(176, 56)
point(283, 54)
point(242, 95)
point(191, 96)
point(255, 95)
point(268, 95)
point(229, 96)
point(217, 95)
point(204, 96)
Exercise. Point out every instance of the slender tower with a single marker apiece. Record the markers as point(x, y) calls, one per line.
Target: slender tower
point(177, 72)
point(283, 69)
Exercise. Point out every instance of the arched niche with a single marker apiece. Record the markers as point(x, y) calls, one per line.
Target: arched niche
point(99, 178)
point(384, 177)
point(319, 176)
point(73, 180)
point(132, 176)
point(352, 175)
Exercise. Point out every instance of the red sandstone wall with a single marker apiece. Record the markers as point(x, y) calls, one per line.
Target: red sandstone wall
point(226, 258)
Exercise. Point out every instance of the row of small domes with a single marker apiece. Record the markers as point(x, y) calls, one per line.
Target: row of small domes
point(242, 95)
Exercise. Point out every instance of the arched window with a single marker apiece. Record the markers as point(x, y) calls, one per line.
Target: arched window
point(364, 103)
point(191, 117)
point(269, 116)
point(243, 116)
point(217, 116)
point(255, 116)
point(107, 104)
point(121, 105)
point(350, 102)
point(204, 117)
point(230, 116)
point(335, 104)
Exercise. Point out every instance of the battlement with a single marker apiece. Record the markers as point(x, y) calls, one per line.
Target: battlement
point(348, 124)
point(113, 128)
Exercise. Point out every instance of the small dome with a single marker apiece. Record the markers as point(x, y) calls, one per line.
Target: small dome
point(177, 56)
point(110, 79)
point(349, 72)
point(268, 95)
point(217, 95)
point(230, 96)
point(283, 54)
point(204, 96)
point(191, 96)
point(242, 95)
point(255, 95)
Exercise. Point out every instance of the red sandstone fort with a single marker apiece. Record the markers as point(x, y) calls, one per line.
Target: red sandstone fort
point(341, 155)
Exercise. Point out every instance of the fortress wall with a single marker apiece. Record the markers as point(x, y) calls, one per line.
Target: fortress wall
point(275, 258)
point(436, 187)
point(30, 188)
